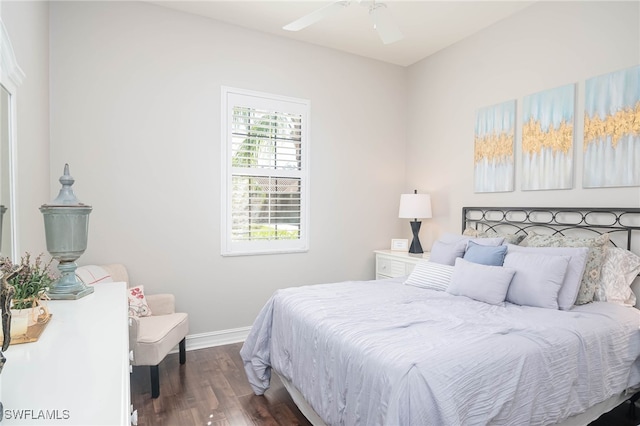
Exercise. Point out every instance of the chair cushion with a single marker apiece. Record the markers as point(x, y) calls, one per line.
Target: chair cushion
point(157, 336)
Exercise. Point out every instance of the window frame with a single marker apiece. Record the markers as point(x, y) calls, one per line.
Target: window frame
point(231, 97)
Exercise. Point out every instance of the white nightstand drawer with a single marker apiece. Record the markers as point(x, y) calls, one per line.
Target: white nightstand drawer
point(391, 267)
point(391, 264)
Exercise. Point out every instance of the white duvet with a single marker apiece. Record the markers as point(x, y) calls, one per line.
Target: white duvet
point(384, 353)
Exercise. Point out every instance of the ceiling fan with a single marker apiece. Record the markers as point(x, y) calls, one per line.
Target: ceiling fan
point(378, 12)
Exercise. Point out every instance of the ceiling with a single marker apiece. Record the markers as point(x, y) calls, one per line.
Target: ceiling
point(428, 26)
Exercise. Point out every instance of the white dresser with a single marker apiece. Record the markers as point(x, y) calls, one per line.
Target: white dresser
point(391, 263)
point(77, 373)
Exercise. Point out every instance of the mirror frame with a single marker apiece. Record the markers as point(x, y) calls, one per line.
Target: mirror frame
point(11, 77)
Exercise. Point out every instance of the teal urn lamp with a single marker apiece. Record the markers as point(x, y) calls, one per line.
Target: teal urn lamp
point(66, 226)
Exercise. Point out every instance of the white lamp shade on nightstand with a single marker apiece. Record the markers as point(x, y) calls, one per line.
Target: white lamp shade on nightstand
point(415, 206)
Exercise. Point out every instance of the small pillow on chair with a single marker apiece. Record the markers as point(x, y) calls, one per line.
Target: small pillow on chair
point(138, 306)
point(93, 274)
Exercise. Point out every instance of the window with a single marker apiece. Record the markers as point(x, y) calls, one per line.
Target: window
point(265, 145)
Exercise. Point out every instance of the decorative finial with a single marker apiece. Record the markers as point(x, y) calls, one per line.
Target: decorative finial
point(66, 196)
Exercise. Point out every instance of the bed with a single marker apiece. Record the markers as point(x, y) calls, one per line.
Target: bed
point(389, 352)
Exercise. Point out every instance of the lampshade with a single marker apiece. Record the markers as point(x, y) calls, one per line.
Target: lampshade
point(415, 206)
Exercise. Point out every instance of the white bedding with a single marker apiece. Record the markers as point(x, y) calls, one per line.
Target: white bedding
point(383, 353)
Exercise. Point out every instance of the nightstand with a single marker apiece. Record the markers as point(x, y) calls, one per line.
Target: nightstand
point(391, 263)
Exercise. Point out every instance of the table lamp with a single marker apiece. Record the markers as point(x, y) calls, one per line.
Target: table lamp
point(416, 206)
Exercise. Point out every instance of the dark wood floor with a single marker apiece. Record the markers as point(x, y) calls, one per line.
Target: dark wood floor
point(212, 389)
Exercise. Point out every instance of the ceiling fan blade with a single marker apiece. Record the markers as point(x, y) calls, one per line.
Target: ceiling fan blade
point(383, 23)
point(316, 16)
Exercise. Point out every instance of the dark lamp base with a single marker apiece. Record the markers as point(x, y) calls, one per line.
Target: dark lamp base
point(415, 248)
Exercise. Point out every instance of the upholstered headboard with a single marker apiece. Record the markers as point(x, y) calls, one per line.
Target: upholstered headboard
point(622, 224)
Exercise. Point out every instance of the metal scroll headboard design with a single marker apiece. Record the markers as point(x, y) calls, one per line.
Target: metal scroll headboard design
point(622, 224)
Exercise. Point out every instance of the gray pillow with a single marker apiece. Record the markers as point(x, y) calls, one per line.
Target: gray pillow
point(451, 246)
point(430, 275)
point(487, 284)
point(486, 255)
point(537, 280)
point(595, 258)
point(446, 253)
point(573, 277)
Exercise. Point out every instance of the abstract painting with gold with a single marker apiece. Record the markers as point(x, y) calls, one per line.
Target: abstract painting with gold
point(612, 130)
point(493, 152)
point(547, 139)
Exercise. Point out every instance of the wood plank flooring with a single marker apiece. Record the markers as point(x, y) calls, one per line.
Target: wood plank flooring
point(212, 389)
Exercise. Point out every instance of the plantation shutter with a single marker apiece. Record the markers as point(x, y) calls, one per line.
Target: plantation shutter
point(265, 181)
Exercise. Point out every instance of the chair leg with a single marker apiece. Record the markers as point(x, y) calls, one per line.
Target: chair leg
point(183, 350)
point(155, 381)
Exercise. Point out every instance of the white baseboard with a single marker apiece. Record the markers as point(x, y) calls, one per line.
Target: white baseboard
point(215, 338)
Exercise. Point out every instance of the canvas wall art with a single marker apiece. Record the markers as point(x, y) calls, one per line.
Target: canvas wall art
point(612, 130)
point(547, 139)
point(493, 150)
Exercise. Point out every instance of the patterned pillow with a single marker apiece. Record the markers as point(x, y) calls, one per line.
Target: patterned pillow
point(619, 269)
point(508, 238)
point(138, 303)
point(595, 258)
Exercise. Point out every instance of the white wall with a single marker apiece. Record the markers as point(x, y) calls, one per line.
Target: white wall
point(546, 45)
point(28, 26)
point(135, 111)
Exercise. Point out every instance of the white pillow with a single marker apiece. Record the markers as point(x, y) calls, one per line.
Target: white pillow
point(485, 283)
point(619, 269)
point(537, 280)
point(430, 275)
point(93, 274)
point(572, 279)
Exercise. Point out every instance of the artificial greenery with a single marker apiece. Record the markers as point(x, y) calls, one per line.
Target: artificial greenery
point(31, 282)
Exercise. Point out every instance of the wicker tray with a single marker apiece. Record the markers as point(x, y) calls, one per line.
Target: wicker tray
point(33, 332)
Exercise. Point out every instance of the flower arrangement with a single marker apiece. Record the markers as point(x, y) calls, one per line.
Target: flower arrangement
point(31, 282)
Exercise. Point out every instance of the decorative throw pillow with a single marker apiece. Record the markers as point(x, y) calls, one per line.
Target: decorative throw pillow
point(619, 269)
point(486, 255)
point(572, 279)
point(508, 238)
point(93, 274)
point(138, 303)
point(595, 258)
point(487, 284)
point(537, 280)
point(430, 275)
point(485, 241)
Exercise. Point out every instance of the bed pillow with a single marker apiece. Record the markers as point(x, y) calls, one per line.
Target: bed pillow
point(595, 258)
point(572, 279)
point(454, 238)
point(619, 269)
point(486, 255)
point(508, 238)
point(446, 252)
point(485, 283)
point(430, 275)
point(451, 246)
point(537, 280)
